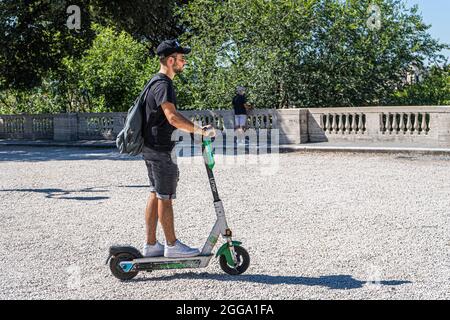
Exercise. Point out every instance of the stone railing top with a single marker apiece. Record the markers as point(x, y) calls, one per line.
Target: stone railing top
point(40, 115)
point(100, 114)
point(433, 109)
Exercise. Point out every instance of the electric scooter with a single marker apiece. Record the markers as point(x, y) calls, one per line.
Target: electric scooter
point(126, 262)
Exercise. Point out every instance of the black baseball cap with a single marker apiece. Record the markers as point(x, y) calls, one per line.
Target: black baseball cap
point(168, 47)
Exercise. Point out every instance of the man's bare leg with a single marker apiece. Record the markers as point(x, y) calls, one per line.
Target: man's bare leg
point(165, 214)
point(151, 218)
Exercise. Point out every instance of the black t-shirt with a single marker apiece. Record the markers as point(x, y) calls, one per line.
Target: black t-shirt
point(238, 104)
point(158, 131)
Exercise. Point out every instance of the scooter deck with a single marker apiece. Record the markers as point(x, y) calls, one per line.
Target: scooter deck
point(158, 263)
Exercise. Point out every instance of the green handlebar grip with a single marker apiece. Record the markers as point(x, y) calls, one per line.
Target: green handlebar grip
point(208, 153)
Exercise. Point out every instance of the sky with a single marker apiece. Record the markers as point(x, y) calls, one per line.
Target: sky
point(436, 13)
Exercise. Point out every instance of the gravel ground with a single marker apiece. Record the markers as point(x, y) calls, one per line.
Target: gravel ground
point(320, 226)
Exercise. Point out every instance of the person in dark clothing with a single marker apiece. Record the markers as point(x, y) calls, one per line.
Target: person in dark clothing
point(240, 109)
point(162, 118)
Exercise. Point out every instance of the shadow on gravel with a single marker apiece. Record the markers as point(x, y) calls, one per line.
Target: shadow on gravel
point(62, 194)
point(332, 282)
point(43, 153)
point(38, 154)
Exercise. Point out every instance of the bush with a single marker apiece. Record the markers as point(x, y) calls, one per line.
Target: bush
point(433, 90)
point(111, 73)
point(300, 53)
point(47, 98)
point(107, 78)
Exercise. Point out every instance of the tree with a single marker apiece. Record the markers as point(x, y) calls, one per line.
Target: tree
point(35, 35)
point(433, 90)
point(107, 78)
point(34, 38)
point(111, 73)
point(300, 53)
point(150, 21)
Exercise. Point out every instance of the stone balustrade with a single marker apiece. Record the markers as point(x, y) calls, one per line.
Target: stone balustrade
point(27, 126)
point(422, 125)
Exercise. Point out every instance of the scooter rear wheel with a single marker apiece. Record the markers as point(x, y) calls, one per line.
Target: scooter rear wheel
point(243, 261)
point(116, 270)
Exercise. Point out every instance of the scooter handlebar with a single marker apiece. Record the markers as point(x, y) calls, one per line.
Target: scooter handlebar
point(209, 132)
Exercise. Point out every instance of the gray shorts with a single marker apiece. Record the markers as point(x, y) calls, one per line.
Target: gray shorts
point(162, 171)
point(240, 120)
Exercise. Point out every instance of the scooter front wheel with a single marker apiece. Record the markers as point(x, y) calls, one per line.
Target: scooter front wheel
point(243, 261)
point(116, 270)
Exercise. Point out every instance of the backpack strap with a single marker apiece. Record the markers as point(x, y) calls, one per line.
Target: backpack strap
point(144, 93)
point(148, 86)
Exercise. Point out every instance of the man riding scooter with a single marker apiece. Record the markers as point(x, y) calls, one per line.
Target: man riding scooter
point(162, 118)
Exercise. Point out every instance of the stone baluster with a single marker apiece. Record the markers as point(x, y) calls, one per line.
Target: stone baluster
point(346, 120)
point(416, 123)
point(335, 128)
point(360, 123)
point(409, 126)
point(348, 124)
point(388, 122)
point(395, 123)
point(425, 128)
point(422, 123)
point(363, 122)
point(341, 123)
point(330, 122)
point(354, 125)
point(402, 122)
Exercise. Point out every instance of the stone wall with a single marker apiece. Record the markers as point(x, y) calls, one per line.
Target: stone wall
point(421, 125)
point(412, 125)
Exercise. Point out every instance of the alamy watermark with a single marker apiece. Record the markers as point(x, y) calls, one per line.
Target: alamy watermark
point(74, 19)
point(374, 20)
point(74, 279)
point(374, 277)
point(257, 148)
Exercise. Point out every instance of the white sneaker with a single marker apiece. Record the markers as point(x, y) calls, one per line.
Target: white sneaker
point(180, 250)
point(156, 250)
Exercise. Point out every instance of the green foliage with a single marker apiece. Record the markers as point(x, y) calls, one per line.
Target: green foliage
point(288, 53)
point(433, 90)
point(150, 20)
point(34, 39)
point(112, 72)
point(107, 78)
point(46, 98)
point(300, 53)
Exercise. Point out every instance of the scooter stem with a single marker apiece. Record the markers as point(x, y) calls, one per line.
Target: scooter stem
point(208, 156)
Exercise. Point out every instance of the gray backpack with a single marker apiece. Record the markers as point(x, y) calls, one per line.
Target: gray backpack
point(130, 140)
